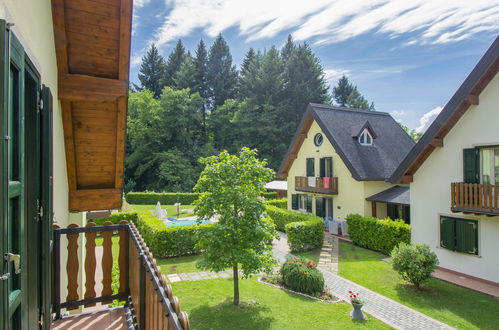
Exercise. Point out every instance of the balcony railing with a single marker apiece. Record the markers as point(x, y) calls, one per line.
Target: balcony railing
point(302, 184)
point(149, 302)
point(475, 198)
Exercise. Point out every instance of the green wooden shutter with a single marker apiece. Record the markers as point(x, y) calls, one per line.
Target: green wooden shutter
point(330, 165)
point(47, 201)
point(294, 201)
point(309, 204)
point(467, 236)
point(319, 207)
point(322, 167)
point(471, 165)
point(310, 167)
point(392, 211)
point(447, 233)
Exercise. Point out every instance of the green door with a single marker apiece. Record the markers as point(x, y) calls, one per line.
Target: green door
point(23, 244)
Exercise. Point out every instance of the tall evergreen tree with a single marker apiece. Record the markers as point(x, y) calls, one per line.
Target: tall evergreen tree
point(175, 60)
point(185, 76)
point(287, 49)
point(249, 73)
point(200, 62)
point(222, 75)
point(347, 95)
point(152, 70)
point(306, 84)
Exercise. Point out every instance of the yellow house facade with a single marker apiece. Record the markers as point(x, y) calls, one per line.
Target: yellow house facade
point(351, 148)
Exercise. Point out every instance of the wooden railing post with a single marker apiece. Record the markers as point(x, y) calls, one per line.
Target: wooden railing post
point(90, 265)
point(72, 266)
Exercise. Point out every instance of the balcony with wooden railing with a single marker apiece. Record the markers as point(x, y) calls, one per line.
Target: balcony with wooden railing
point(302, 184)
point(475, 198)
point(145, 297)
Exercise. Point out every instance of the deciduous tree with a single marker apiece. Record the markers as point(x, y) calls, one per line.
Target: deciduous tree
point(230, 186)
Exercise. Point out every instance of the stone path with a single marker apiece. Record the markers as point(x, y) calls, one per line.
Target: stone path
point(198, 276)
point(328, 259)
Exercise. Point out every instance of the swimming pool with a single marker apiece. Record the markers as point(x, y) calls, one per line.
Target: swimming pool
point(186, 223)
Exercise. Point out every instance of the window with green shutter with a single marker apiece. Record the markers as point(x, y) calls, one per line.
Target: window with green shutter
point(309, 203)
point(471, 165)
point(294, 201)
point(320, 210)
point(310, 167)
point(460, 235)
point(326, 167)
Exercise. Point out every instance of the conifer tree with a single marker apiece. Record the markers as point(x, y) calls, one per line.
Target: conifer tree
point(287, 49)
point(222, 75)
point(151, 71)
point(347, 95)
point(200, 62)
point(174, 63)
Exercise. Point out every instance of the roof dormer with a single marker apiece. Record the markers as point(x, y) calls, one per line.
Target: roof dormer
point(365, 138)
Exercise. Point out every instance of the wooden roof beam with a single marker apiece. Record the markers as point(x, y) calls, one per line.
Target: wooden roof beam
point(472, 99)
point(437, 142)
point(77, 87)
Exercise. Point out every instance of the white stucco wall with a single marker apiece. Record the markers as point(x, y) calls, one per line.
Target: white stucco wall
point(430, 190)
point(33, 27)
point(351, 193)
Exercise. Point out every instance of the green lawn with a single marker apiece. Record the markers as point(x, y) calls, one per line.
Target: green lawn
point(310, 255)
point(209, 304)
point(186, 264)
point(451, 304)
point(170, 209)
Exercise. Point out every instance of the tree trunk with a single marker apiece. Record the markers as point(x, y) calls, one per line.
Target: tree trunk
point(236, 285)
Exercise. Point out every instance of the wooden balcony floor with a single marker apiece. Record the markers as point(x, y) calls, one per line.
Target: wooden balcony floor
point(109, 319)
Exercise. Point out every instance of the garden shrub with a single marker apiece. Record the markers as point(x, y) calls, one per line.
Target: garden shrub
point(375, 234)
point(301, 275)
point(166, 241)
point(304, 231)
point(414, 262)
point(269, 195)
point(282, 217)
point(305, 235)
point(280, 203)
point(170, 198)
point(115, 218)
point(150, 198)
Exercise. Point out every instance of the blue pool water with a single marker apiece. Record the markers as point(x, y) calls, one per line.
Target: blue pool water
point(186, 223)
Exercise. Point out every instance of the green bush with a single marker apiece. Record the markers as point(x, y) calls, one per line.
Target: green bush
point(168, 241)
point(280, 203)
point(380, 235)
point(151, 198)
point(169, 198)
point(305, 235)
point(269, 195)
point(301, 275)
point(282, 217)
point(414, 262)
point(115, 218)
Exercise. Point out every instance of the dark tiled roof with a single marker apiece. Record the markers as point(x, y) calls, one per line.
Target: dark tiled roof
point(377, 162)
point(394, 195)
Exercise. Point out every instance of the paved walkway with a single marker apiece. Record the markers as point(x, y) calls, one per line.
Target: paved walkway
point(379, 306)
point(198, 276)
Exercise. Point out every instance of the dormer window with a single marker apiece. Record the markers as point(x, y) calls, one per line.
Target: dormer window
point(365, 138)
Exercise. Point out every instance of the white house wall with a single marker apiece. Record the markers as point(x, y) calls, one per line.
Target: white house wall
point(430, 190)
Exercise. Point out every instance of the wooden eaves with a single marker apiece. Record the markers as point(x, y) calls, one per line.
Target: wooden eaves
point(92, 41)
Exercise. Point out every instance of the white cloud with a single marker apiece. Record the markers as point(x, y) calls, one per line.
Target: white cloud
point(140, 3)
point(428, 118)
point(325, 21)
point(332, 75)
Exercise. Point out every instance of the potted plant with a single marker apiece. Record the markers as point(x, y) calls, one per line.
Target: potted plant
point(357, 303)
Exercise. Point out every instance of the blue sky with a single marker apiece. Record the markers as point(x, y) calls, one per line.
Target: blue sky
point(408, 57)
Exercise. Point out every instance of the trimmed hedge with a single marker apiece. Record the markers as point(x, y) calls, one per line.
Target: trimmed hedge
point(380, 235)
point(305, 235)
point(115, 218)
point(280, 203)
point(168, 241)
point(304, 231)
point(169, 198)
point(151, 198)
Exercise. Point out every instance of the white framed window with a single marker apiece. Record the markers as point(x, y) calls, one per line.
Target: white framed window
point(302, 202)
point(365, 138)
point(489, 159)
